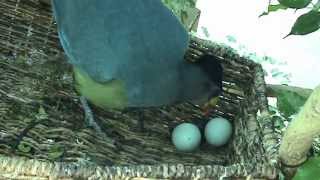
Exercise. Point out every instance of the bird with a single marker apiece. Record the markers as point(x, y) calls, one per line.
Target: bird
point(130, 54)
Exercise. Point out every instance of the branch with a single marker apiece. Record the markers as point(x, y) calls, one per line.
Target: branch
point(298, 137)
point(273, 90)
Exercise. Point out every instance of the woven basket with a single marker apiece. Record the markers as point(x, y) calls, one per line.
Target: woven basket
point(42, 129)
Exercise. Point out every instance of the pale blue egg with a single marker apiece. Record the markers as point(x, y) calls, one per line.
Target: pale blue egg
point(186, 137)
point(218, 131)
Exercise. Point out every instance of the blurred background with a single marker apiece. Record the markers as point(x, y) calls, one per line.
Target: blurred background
point(294, 61)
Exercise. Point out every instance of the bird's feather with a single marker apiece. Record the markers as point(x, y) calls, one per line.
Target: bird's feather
point(139, 43)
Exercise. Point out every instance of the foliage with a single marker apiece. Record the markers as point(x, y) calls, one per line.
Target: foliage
point(306, 23)
point(289, 103)
point(179, 4)
point(273, 67)
point(280, 122)
point(182, 9)
point(296, 4)
point(309, 170)
point(273, 8)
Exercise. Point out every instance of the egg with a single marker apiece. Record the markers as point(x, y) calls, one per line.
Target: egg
point(186, 137)
point(218, 131)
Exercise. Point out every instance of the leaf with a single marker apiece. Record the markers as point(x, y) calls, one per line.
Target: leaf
point(289, 102)
point(296, 4)
point(310, 170)
point(205, 31)
point(276, 73)
point(184, 16)
point(184, 10)
point(270, 60)
point(263, 14)
point(273, 8)
point(306, 23)
point(278, 122)
point(276, 7)
point(231, 39)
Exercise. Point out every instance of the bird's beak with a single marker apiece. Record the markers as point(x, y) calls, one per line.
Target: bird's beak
point(207, 107)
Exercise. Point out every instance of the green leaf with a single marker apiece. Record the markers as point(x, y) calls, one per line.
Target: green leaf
point(278, 122)
point(306, 23)
point(270, 60)
point(296, 4)
point(184, 10)
point(263, 14)
point(276, 7)
point(231, 39)
point(276, 73)
point(205, 31)
point(273, 8)
point(289, 103)
point(309, 170)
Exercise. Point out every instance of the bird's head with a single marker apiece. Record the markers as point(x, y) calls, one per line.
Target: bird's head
point(211, 65)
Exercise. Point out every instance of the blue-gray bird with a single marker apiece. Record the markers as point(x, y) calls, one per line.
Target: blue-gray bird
point(130, 53)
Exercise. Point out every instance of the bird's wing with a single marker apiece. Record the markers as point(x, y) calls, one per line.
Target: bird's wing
point(120, 39)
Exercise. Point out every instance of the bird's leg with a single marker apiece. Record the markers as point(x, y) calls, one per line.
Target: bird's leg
point(89, 116)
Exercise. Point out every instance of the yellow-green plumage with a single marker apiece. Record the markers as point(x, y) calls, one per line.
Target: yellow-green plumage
point(105, 95)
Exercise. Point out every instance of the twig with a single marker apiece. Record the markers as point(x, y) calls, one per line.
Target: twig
point(19, 99)
point(20, 70)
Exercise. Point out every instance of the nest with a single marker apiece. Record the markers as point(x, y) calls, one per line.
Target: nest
point(42, 129)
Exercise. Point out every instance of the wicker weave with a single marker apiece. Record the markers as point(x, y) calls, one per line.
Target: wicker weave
point(42, 130)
